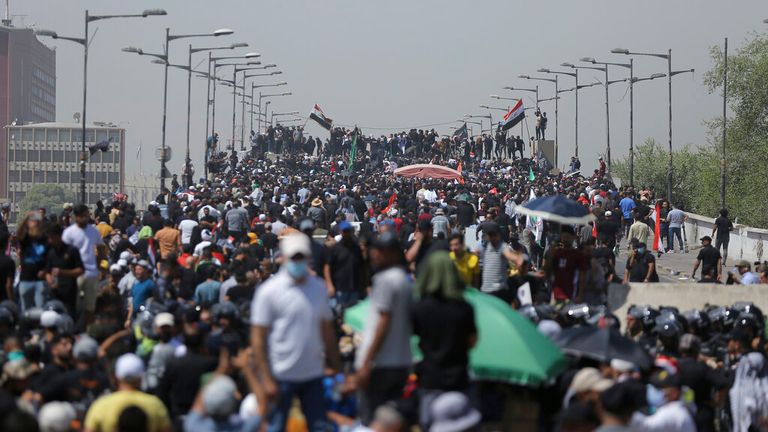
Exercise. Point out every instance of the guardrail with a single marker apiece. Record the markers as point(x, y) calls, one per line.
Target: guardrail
point(746, 242)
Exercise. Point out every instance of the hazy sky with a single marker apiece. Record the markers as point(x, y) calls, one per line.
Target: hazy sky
point(397, 63)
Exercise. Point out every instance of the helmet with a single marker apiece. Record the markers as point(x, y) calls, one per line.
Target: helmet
point(698, 322)
point(721, 318)
point(667, 313)
point(575, 314)
point(748, 322)
point(225, 309)
point(55, 305)
point(65, 324)
point(667, 329)
point(749, 307)
point(646, 314)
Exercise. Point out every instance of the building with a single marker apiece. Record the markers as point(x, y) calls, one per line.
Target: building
point(50, 153)
point(27, 84)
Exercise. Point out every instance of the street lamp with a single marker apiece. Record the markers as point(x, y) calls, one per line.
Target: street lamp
point(165, 57)
point(607, 121)
point(490, 120)
point(575, 75)
point(533, 90)
point(557, 108)
point(494, 108)
point(670, 74)
point(262, 96)
point(84, 42)
point(274, 114)
point(493, 96)
point(235, 70)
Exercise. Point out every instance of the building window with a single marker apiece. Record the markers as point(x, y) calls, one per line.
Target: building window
point(39, 176)
point(13, 176)
point(93, 197)
point(101, 135)
point(64, 177)
point(101, 177)
point(18, 196)
point(77, 135)
point(33, 155)
point(57, 155)
point(89, 177)
point(50, 177)
point(114, 136)
point(26, 134)
point(26, 176)
point(71, 156)
point(89, 135)
point(45, 155)
point(39, 135)
point(106, 157)
point(114, 178)
point(64, 135)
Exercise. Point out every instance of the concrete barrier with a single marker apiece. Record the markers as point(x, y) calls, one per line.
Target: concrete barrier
point(683, 296)
point(746, 243)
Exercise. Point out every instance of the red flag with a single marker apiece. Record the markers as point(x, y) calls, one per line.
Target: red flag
point(594, 229)
point(389, 204)
point(333, 167)
point(657, 228)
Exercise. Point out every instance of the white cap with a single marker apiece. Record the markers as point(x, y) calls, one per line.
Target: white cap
point(126, 255)
point(129, 366)
point(49, 318)
point(56, 417)
point(163, 319)
point(206, 235)
point(294, 244)
point(608, 213)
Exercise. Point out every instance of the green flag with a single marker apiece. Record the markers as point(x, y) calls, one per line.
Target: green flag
point(353, 151)
point(531, 177)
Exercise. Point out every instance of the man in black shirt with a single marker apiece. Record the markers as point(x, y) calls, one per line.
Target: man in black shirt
point(722, 233)
point(641, 265)
point(700, 378)
point(63, 266)
point(344, 269)
point(708, 258)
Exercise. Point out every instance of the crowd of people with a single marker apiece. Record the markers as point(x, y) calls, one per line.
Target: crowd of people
point(223, 302)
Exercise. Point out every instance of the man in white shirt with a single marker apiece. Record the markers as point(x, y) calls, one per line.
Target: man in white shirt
point(292, 337)
point(186, 227)
point(86, 238)
point(671, 413)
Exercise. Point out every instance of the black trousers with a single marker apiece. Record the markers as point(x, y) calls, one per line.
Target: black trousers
point(385, 384)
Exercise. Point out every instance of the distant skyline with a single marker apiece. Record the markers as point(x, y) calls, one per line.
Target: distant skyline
point(397, 64)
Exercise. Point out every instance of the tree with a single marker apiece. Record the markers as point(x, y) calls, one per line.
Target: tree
point(746, 147)
point(49, 196)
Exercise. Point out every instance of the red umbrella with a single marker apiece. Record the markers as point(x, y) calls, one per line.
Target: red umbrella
point(428, 171)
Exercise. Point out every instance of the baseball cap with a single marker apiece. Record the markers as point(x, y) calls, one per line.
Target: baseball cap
point(49, 318)
point(205, 235)
point(294, 244)
point(129, 366)
point(608, 213)
point(126, 255)
point(743, 263)
point(219, 397)
point(86, 348)
point(56, 417)
point(145, 264)
point(588, 379)
point(345, 225)
point(163, 319)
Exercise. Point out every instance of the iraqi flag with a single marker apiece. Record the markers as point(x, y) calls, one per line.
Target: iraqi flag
point(513, 117)
point(319, 116)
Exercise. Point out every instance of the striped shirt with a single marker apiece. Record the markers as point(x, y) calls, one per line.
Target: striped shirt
point(495, 267)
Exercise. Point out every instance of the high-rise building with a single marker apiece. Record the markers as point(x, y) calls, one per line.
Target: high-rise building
point(49, 153)
point(27, 85)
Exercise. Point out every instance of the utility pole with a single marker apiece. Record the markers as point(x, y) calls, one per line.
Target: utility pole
point(725, 119)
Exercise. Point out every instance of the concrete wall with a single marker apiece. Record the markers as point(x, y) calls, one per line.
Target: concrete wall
point(684, 296)
point(746, 242)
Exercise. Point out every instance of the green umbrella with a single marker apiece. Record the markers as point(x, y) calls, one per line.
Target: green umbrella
point(509, 347)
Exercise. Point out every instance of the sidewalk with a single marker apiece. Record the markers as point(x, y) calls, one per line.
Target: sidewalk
point(671, 267)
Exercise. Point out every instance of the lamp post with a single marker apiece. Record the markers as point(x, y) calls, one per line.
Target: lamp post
point(165, 57)
point(245, 77)
point(607, 111)
point(575, 75)
point(266, 105)
point(556, 98)
point(493, 96)
point(490, 120)
point(533, 90)
point(187, 160)
point(84, 42)
point(213, 62)
point(274, 114)
point(235, 71)
point(670, 74)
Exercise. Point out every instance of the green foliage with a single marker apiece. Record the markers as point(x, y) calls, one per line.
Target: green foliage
point(696, 173)
point(49, 196)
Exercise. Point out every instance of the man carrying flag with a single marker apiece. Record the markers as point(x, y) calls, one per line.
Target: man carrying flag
point(513, 117)
point(319, 116)
point(461, 133)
